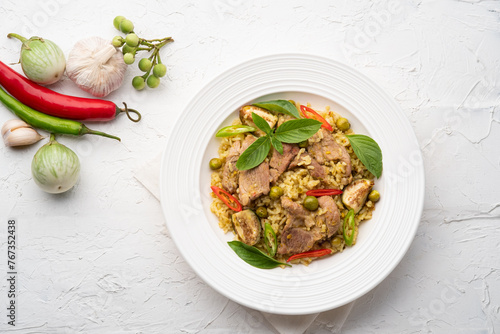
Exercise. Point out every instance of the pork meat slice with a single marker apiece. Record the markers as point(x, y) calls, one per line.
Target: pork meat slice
point(297, 215)
point(230, 173)
point(327, 149)
point(254, 183)
point(305, 160)
point(295, 238)
point(280, 162)
point(331, 218)
point(247, 142)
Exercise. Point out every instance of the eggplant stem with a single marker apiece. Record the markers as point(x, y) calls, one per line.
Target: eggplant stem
point(19, 37)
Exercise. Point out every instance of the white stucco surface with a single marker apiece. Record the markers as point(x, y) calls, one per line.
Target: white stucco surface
point(99, 258)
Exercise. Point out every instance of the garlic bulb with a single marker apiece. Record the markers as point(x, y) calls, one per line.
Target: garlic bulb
point(96, 66)
point(17, 133)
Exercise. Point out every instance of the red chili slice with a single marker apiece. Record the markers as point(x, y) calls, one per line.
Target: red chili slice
point(227, 198)
point(314, 253)
point(315, 116)
point(323, 192)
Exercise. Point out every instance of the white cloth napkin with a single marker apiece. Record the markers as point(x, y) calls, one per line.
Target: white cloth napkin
point(149, 176)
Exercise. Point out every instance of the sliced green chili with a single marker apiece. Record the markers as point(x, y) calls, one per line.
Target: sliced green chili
point(270, 240)
point(232, 130)
point(349, 226)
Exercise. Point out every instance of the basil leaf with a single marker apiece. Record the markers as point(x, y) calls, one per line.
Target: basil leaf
point(277, 145)
point(280, 106)
point(253, 256)
point(232, 130)
point(297, 130)
point(254, 154)
point(368, 151)
point(261, 123)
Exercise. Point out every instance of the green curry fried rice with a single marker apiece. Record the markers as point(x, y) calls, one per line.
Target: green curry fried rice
point(295, 183)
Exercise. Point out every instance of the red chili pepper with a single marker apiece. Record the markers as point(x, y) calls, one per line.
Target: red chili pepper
point(227, 198)
point(52, 103)
point(323, 192)
point(313, 253)
point(315, 116)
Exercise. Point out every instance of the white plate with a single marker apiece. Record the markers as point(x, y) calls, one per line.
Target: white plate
point(327, 283)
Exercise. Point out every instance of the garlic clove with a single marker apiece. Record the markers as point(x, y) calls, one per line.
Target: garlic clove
point(96, 66)
point(18, 133)
point(13, 124)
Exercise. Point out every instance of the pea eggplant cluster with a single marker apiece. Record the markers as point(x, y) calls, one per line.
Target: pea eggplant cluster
point(132, 44)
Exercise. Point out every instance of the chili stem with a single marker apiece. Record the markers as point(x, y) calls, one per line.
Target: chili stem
point(86, 130)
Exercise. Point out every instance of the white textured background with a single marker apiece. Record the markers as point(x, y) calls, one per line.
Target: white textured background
point(99, 258)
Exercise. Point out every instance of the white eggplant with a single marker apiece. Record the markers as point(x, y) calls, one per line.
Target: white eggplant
point(55, 167)
point(354, 195)
point(42, 60)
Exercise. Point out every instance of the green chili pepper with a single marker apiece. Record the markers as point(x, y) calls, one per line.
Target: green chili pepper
point(46, 122)
point(232, 130)
point(270, 240)
point(349, 226)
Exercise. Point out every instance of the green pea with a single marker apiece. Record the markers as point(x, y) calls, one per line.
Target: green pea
point(261, 212)
point(374, 196)
point(215, 163)
point(343, 124)
point(303, 144)
point(311, 203)
point(276, 192)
